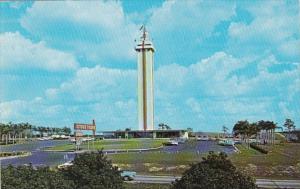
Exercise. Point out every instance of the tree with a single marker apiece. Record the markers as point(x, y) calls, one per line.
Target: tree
point(289, 125)
point(168, 127)
point(93, 171)
point(66, 130)
point(163, 126)
point(269, 127)
point(28, 177)
point(240, 128)
point(246, 130)
point(190, 131)
point(224, 129)
point(214, 172)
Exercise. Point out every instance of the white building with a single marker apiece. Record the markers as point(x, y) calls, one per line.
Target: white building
point(145, 56)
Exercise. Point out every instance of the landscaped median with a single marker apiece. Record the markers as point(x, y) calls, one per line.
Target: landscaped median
point(8, 155)
point(113, 145)
point(156, 162)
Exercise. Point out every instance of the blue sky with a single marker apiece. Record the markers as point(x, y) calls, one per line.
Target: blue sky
point(216, 62)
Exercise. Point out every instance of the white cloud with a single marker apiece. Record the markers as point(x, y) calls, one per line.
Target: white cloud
point(99, 30)
point(213, 76)
point(275, 27)
point(217, 89)
point(107, 15)
point(190, 15)
point(17, 51)
point(203, 95)
point(35, 111)
point(98, 83)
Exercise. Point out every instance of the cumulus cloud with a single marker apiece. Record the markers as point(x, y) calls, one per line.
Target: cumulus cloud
point(190, 15)
point(97, 30)
point(180, 29)
point(209, 93)
point(219, 88)
point(36, 111)
point(212, 67)
point(19, 52)
point(98, 83)
point(275, 27)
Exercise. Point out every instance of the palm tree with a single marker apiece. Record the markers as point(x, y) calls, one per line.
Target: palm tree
point(2, 129)
point(224, 129)
point(269, 128)
point(167, 127)
point(161, 126)
point(8, 130)
point(289, 124)
point(67, 130)
point(240, 128)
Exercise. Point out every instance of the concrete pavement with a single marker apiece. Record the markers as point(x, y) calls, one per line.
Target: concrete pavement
point(262, 183)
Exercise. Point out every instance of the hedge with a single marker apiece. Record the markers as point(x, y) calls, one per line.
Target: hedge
point(258, 148)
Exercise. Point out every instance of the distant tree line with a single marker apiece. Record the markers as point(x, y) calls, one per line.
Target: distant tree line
point(11, 132)
point(247, 130)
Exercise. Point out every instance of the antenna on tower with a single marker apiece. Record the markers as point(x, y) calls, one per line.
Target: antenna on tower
point(143, 29)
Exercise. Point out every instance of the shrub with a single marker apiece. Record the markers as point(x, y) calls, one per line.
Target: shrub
point(93, 171)
point(258, 148)
point(214, 172)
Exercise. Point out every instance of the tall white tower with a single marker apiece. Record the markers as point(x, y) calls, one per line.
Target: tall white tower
point(145, 52)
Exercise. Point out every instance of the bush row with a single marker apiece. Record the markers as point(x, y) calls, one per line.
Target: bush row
point(5, 154)
point(258, 148)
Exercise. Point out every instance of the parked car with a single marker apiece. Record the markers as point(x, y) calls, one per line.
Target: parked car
point(237, 141)
point(226, 142)
point(65, 165)
point(128, 175)
point(181, 140)
point(202, 138)
point(171, 143)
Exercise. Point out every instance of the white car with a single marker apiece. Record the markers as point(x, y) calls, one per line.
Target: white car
point(171, 143)
point(65, 165)
point(202, 138)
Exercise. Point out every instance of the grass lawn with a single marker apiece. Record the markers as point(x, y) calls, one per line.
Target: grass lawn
point(156, 157)
point(113, 144)
point(155, 163)
point(282, 161)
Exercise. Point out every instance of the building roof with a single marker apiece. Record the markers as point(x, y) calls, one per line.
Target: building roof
point(149, 131)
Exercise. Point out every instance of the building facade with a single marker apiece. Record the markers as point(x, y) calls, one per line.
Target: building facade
point(145, 63)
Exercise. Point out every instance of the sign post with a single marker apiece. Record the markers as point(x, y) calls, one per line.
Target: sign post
point(79, 127)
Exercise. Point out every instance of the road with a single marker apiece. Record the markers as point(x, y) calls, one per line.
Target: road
point(262, 183)
point(39, 157)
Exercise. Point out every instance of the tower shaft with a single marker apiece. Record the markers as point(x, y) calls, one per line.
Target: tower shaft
point(145, 53)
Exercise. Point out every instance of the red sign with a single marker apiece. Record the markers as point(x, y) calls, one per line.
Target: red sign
point(79, 126)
